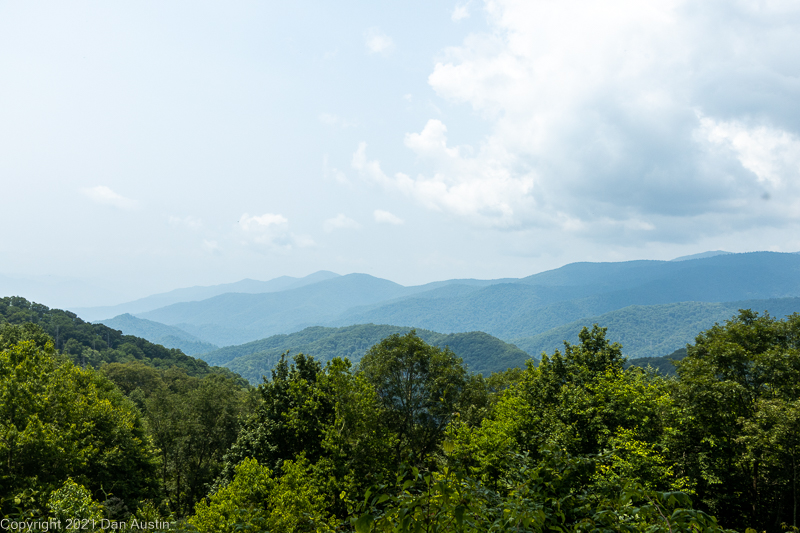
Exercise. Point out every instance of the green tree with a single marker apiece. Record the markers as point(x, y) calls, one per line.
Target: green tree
point(584, 402)
point(193, 421)
point(290, 419)
point(419, 387)
point(738, 389)
point(554, 493)
point(59, 421)
point(73, 502)
point(256, 500)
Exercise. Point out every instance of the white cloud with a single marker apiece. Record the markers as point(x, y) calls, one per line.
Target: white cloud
point(460, 12)
point(340, 221)
point(332, 120)
point(272, 231)
point(385, 217)
point(103, 195)
point(378, 42)
point(593, 115)
point(211, 246)
point(480, 188)
point(772, 154)
point(262, 222)
point(188, 221)
point(332, 173)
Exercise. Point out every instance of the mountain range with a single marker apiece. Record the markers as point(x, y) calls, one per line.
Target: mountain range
point(651, 307)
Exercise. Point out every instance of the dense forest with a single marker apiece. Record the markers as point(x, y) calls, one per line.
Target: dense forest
point(110, 430)
point(480, 352)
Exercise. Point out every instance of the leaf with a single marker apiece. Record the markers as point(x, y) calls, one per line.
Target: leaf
point(459, 513)
point(364, 523)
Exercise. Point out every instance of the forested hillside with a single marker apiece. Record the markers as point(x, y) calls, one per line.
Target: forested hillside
point(664, 365)
point(655, 330)
point(406, 440)
point(480, 352)
point(94, 344)
point(509, 309)
point(536, 304)
point(155, 332)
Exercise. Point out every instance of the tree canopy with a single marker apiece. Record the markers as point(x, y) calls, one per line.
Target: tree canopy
point(408, 439)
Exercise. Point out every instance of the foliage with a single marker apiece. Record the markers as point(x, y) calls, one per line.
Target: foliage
point(59, 421)
point(289, 420)
point(255, 500)
point(193, 422)
point(737, 435)
point(480, 352)
point(409, 440)
point(551, 494)
point(73, 502)
point(92, 345)
point(419, 387)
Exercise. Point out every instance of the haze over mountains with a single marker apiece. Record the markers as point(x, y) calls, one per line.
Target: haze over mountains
point(193, 294)
point(652, 307)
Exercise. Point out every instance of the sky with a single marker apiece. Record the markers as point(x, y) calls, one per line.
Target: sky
point(146, 146)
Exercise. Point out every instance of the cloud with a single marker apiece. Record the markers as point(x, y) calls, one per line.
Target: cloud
point(211, 247)
point(262, 222)
point(378, 42)
point(103, 195)
point(340, 221)
point(460, 12)
point(188, 221)
point(644, 118)
point(272, 231)
point(480, 188)
point(332, 173)
point(771, 154)
point(385, 217)
point(333, 120)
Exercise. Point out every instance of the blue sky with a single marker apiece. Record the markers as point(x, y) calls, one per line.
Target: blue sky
point(148, 146)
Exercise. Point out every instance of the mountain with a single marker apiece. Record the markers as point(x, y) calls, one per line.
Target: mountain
point(508, 308)
point(702, 255)
point(550, 299)
point(655, 330)
point(481, 352)
point(663, 365)
point(197, 293)
point(97, 344)
point(256, 316)
point(157, 333)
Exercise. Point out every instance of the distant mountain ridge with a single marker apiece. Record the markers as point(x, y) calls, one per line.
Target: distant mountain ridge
point(197, 293)
point(656, 330)
point(155, 332)
point(508, 309)
point(538, 303)
point(702, 255)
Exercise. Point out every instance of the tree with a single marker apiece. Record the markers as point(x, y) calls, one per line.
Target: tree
point(738, 389)
point(256, 499)
point(59, 421)
point(583, 402)
point(192, 421)
point(290, 419)
point(419, 387)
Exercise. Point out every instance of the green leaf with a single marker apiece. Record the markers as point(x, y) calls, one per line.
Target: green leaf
point(459, 513)
point(364, 523)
